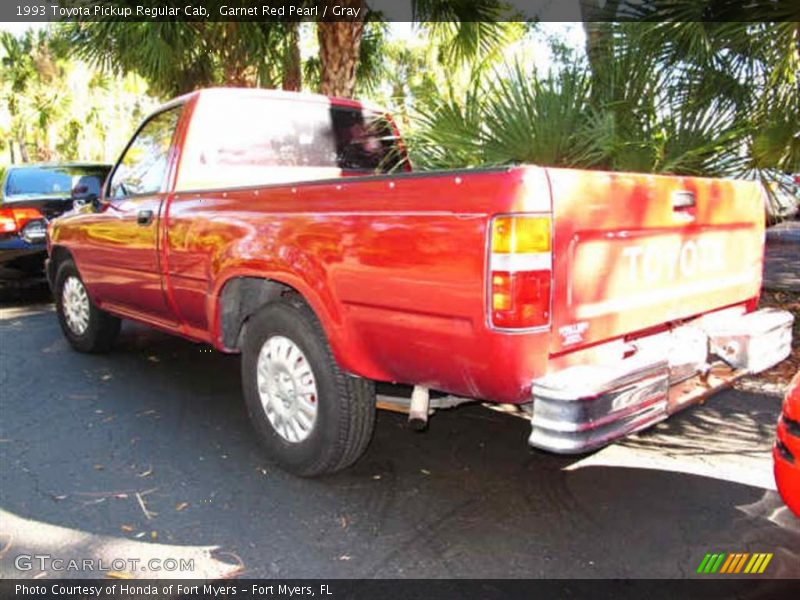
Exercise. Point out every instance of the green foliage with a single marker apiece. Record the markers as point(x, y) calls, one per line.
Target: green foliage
point(371, 66)
point(682, 98)
point(29, 88)
point(416, 75)
point(752, 66)
point(468, 31)
point(176, 57)
point(57, 108)
point(676, 94)
point(527, 120)
point(448, 133)
point(533, 119)
point(477, 42)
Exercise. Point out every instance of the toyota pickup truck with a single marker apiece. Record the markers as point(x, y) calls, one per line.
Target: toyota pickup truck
point(291, 229)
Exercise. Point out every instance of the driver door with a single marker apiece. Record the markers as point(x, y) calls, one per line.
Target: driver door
point(125, 238)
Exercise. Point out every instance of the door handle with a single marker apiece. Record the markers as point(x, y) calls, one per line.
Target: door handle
point(144, 217)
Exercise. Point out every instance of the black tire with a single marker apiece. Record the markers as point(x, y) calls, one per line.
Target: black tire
point(102, 328)
point(345, 407)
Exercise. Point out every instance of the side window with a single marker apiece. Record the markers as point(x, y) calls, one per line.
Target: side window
point(144, 164)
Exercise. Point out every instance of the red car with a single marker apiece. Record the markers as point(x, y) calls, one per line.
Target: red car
point(786, 452)
point(289, 228)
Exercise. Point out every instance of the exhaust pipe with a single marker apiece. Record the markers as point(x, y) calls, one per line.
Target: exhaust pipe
point(418, 411)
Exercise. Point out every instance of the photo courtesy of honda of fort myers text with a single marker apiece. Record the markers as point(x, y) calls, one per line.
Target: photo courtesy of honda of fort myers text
point(167, 589)
point(462, 299)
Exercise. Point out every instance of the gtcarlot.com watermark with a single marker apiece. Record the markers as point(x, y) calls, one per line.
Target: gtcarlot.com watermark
point(47, 562)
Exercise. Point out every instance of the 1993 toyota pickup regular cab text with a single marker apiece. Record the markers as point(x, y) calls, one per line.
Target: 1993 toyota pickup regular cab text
point(290, 228)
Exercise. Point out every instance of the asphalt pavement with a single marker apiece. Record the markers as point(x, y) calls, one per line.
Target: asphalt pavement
point(782, 257)
point(147, 453)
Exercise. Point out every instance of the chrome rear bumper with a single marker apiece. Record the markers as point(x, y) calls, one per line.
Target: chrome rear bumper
point(584, 407)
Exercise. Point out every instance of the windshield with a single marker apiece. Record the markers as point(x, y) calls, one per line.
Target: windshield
point(54, 181)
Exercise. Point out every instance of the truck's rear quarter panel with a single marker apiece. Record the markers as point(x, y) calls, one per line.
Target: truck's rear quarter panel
point(394, 266)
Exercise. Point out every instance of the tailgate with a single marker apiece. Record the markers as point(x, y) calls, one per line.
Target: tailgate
point(633, 251)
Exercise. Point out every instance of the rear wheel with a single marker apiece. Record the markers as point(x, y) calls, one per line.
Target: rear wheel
point(311, 417)
point(86, 327)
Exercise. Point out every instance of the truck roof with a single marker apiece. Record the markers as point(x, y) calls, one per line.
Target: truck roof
point(223, 92)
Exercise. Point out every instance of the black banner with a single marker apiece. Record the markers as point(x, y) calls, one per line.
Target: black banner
point(398, 10)
point(389, 589)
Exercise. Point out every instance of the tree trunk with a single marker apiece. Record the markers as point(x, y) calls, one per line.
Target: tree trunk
point(339, 46)
point(23, 150)
point(238, 69)
point(596, 15)
point(596, 45)
point(292, 75)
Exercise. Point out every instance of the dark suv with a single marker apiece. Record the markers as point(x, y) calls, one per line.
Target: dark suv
point(30, 196)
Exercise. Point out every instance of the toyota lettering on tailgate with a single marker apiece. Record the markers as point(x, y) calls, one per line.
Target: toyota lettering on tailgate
point(648, 263)
point(613, 275)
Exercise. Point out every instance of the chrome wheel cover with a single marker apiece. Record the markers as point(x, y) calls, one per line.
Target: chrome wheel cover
point(287, 388)
point(75, 304)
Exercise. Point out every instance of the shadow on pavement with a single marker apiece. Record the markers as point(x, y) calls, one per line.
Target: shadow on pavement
point(18, 295)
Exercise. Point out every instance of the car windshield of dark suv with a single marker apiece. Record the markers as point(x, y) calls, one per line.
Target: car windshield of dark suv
point(55, 182)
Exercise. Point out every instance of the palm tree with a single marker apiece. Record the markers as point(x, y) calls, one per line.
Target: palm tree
point(339, 48)
point(678, 97)
point(757, 67)
point(59, 108)
point(465, 31)
point(178, 56)
point(292, 79)
point(746, 63)
point(18, 71)
point(32, 82)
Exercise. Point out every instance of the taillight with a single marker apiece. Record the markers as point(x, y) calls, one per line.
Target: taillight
point(14, 219)
point(520, 268)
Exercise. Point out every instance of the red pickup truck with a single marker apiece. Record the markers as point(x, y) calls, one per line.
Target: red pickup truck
point(290, 228)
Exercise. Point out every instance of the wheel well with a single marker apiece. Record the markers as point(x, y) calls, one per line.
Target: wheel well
point(58, 254)
point(241, 298)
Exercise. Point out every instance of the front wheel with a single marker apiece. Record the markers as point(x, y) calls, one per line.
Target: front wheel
point(86, 327)
point(312, 418)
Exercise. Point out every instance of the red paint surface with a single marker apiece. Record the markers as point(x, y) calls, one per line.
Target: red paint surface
point(395, 266)
point(787, 473)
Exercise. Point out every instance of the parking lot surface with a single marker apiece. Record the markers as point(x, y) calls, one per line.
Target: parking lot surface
point(147, 452)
